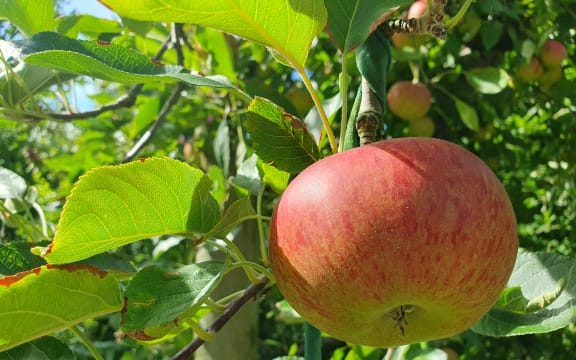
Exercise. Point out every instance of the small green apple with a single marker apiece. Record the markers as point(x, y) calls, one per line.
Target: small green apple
point(551, 76)
point(423, 127)
point(395, 242)
point(409, 101)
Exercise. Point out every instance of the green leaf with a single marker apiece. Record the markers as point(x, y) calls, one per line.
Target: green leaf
point(288, 27)
point(29, 16)
point(349, 21)
point(491, 32)
point(111, 206)
point(488, 80)
point(156, 296)
point(547, 282)
point(46, 347)
point(16, 257)
point(107, 61)
point(239, 211)
point(89, 25)
point(51, 298)
point(467, 113)
point(18, 80)
point(12, 185)
point(373, 59)
point(280, 137)
point(271, 176)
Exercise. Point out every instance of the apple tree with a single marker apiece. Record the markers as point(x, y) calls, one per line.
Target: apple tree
point(169, 175)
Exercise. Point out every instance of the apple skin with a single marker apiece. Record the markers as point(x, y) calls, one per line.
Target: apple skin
point(552, 54)
point(423, 127)
point(415, 222)
point(409, 101)
point(530, 72)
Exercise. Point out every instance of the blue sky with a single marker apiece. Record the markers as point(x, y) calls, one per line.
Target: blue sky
point(91, 7)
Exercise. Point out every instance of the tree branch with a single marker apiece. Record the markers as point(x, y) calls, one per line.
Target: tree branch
point(145, 139)
point(251, 293)
point(176, 34)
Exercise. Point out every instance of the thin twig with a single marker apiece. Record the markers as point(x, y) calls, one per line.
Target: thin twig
point(175, 40)
point(251, 293)
point(145, 139)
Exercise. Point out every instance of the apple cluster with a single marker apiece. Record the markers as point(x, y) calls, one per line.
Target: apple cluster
point(411, 102)
point(546, 68)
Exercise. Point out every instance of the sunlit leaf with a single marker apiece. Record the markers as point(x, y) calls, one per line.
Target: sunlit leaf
point(29, 16)
point(50, 298)
point(107, 61)
point(111, 206)
point(488, 80)
point(287, 27)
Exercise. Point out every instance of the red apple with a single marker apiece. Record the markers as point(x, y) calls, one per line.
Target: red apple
point(530, 72)
point(395, 242)
point(423, 127)
point(552, 54)
point(409, 101)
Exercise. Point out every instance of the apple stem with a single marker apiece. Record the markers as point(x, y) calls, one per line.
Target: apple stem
point(390, 353)
point(312, 343)
point(369, 120)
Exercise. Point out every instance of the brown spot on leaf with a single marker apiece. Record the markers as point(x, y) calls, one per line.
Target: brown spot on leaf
point(12, 279)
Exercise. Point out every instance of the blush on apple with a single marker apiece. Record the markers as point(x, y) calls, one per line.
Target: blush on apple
point(552, 54)
point(396, 242)
point(409, 101)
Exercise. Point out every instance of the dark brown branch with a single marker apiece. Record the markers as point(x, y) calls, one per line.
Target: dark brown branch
point(251, 293)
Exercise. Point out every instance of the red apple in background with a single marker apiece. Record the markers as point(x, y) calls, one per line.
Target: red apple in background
point(552, 54)
point(423, 127)
point(395, 242)
point(409, 101)
point(530, 72)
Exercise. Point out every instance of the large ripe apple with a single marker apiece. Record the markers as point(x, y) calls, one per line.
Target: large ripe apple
point(409, 101)
point(396, 242)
